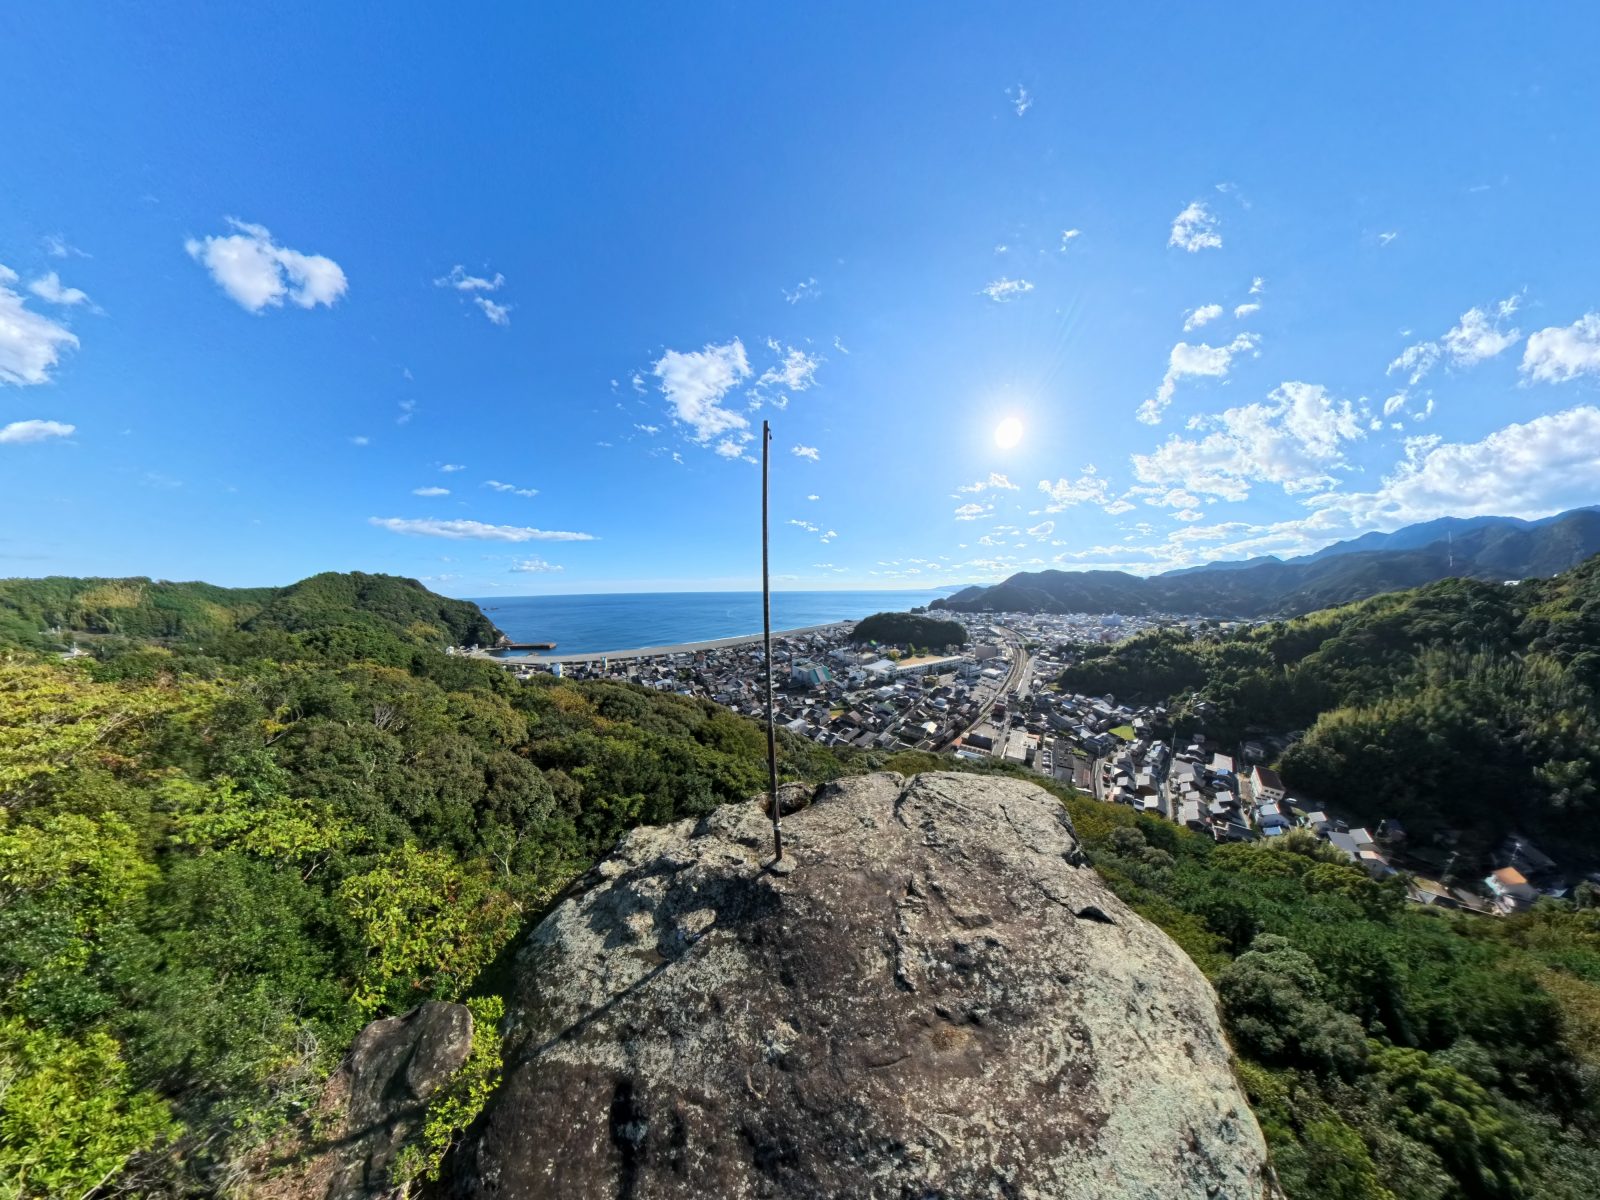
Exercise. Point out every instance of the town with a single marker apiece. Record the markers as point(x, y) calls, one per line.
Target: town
point(997, 698)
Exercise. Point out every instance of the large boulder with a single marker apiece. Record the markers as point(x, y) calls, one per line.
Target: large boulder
point(931, 996)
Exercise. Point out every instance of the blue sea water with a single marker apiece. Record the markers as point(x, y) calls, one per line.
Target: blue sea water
point(627, 621)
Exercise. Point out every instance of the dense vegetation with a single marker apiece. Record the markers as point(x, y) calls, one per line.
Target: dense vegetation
point(1460, 705)
point(1390, 1052)
point(219, 857)
point(57, 612)
point(222, 852)
point(909, 629)
point(1270, 587)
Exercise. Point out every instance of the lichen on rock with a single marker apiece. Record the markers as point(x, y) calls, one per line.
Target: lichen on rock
point(939, 999)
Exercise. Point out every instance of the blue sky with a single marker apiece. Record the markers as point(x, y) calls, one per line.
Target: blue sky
point(500, 300)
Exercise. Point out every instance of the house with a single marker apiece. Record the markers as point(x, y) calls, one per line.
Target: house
point(1431, 893)
point(1346, 844)
point(1317, 821)
point(1221, 764)
point(1266, 785)
point(1270, 816)
point(1512, 892)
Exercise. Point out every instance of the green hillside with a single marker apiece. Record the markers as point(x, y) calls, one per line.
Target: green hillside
point(909, 629)
point(1460, 705)
point(55, 612)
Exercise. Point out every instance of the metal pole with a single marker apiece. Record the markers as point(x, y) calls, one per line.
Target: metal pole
point(766, 640)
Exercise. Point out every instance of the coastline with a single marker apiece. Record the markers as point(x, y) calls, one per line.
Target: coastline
point(647, 651)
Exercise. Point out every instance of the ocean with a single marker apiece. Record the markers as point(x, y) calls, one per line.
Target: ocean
point(627, 621)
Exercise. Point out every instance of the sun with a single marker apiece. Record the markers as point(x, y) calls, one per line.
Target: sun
point(1008, 433)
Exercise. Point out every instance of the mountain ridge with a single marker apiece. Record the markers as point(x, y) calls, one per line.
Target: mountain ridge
point(1490, 548)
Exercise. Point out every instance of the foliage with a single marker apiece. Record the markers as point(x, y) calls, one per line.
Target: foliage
point(1459, 706)
point(909, 629)
point(456, 1105)
point(1390, 1052)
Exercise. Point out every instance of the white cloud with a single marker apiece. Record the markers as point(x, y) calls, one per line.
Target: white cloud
point(1043, 529)
point(19, 432)
point(498, 314)
point(408, 409)
point(648, 430)
point(729, 448)
point(459, 530)
point(258, 273)
point(452, 466)
point(1197, 317)
point(512, 488)
point(1525, 470)
point(695, 383)
point(813, 496)
point(534, 566)
point(1559, 354)
point(1068, 236)
point(1185, 361)
point(430, 491)
point(463, 282)
point(48, 287)
point(806, 525)
point(1118, 507)
point(797, 371)
point(1088, 488)
point(361, 439)
point(1020, 99)
point(1415, 361)
point(1004, 290)
point(30, 344)
point(996, 481)
point(1293, 440)
point(1478, 336)
point(1257, 286)
point(1246, 310)
point(804, 452)
point(1195, 229)
point(806, 289)
point(971, 512)
point(1189, 514)
point(1385, 238)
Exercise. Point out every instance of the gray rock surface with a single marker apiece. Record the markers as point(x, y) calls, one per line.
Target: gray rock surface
point(935, 999)
point(373, 1104)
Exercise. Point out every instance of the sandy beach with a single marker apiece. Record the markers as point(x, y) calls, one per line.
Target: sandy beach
point(647, 651)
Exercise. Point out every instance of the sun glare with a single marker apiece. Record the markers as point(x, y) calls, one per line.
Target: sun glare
point(1008, 433)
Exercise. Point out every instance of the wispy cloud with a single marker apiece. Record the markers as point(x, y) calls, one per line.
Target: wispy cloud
point(1004, 290)
point(1204, 315)
point(430, 491)
point(1021, 99)
point(996, 481)
point(512, 488)
point(534, 566)
point(972, 511)
point(806, 289)
point(804, 452)
point(478, 530)
point(48, 287)
point(258, 273)
point(462, 281)
point(1068, 236)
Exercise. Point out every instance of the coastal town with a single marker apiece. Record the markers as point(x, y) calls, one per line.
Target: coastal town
point(997, 698)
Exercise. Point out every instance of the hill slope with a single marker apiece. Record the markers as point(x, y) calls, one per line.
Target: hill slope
point(1462, 704)
point(53, 612)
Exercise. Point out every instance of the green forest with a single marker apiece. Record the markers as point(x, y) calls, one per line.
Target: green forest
point(1459, 706)
point(909, 629)
point(231, 835)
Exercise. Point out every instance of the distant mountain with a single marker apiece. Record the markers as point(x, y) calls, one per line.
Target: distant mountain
point(1494, 548)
